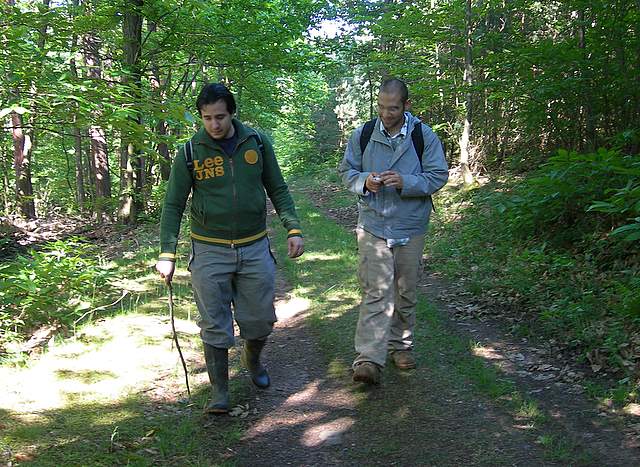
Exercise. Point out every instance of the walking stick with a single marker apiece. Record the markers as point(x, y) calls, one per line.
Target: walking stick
point(175, 337)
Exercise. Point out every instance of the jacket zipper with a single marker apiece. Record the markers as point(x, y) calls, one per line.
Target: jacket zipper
point(235, 202)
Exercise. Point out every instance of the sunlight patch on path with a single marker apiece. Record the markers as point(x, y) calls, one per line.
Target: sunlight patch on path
point(291, 306)
point(310, 410)
point(109, 360)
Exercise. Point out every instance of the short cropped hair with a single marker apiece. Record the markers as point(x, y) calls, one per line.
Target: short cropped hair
point(212, 93)
point(395, 85)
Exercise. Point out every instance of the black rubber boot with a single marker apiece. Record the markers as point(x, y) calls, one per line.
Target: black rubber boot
point(218, 368)
point(251, 360)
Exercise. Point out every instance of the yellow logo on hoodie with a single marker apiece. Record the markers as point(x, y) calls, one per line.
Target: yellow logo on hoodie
point(251, 156)
point(209, 168)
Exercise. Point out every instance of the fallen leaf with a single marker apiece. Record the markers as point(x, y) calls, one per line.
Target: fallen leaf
point(632, 409)
point(237, 411)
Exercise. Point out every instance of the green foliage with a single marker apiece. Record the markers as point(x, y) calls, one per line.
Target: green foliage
point(624, 203)
point(559, 201)
point(55, 285)
point(586, 295)
point(307, 133)
point(545, 75)
point(64, 69)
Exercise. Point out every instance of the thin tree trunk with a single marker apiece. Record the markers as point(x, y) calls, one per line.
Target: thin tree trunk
point(465, 137)
point(130, 163)
point(6, 163)
point(77, 136)
point(80, 196)
point(22, 151)
point(22, 165)
point(159, 87)
point(99, 154)
point(163, 150)
point(587, 130)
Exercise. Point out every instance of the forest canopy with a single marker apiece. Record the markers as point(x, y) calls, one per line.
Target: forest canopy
point(96, 95)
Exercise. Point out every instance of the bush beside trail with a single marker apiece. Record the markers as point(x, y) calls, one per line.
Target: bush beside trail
point(557, 252)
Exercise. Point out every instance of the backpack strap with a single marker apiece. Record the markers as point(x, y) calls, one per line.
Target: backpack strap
point(418, 141)
point(258, 138)
point(188, 156)
point(365, 136)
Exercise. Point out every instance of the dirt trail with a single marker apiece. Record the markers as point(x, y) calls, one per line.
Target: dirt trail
point(306, 416)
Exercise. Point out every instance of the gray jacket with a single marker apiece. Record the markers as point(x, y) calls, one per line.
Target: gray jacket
point(393, 213)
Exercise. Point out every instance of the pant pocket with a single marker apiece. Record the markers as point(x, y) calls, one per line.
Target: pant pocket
point(271, 252)
point(192, 257)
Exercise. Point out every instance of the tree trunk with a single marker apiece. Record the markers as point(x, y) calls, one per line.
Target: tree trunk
point(163, 150)
point(159, 87)
point(99, 154)
point(77, 135)
point(465, 137)
point(6, 168)
point(587, 141)
point(131, 163)
point(80, 196)
point(23, 147)
point(22, 165)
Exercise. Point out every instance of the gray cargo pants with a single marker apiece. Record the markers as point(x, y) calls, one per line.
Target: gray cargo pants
point(244, 276)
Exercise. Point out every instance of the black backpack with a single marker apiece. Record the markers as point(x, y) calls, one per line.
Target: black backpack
point(188, 150)
point(416, 137)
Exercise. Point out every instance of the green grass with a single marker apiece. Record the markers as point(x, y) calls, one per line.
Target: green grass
point(84, 417)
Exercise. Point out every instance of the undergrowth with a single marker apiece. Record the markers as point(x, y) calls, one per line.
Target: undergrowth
point(65, 283)
point(54, 285)
point(545, 248)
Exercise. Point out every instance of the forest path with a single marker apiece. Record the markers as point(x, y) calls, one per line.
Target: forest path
point(313, 415)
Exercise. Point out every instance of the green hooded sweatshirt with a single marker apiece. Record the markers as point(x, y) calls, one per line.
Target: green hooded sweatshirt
point(228, 205)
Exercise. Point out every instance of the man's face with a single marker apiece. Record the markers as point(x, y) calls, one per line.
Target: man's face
point(217, 120)
point(391, 110)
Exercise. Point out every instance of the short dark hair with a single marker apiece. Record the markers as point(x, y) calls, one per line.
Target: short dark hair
point(212, 93)
point(395, 85)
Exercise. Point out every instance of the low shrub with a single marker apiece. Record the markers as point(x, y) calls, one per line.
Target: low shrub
point(574, 195)
point(53, 285)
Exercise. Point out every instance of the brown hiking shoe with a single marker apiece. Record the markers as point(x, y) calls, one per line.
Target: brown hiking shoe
point(366, 372)
point(403, 359)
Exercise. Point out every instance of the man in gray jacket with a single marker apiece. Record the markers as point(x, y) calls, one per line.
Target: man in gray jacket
point(394, 185)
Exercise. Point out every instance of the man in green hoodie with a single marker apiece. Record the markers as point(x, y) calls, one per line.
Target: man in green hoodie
point(232, 167)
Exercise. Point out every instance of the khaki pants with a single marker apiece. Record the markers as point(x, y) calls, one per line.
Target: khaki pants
point(389, 279)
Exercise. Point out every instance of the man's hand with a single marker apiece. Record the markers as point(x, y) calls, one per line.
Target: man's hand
point(295, 246)
point(392, 179)
point(166, 270)
point(373, 182)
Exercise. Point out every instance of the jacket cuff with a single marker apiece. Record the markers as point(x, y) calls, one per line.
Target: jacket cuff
point(360, 185)
point(167, 257)
point(294, 233)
